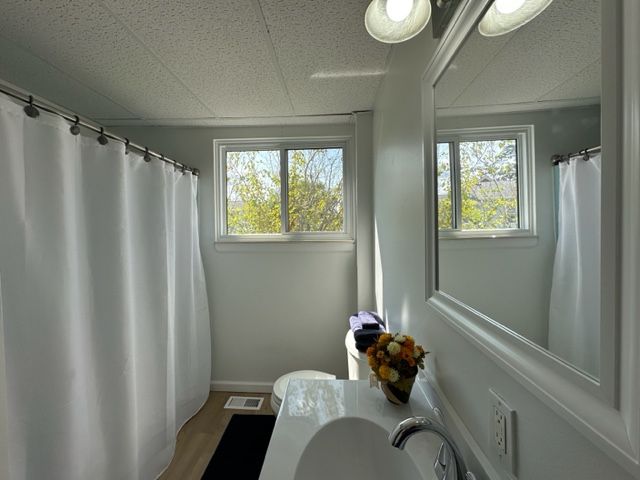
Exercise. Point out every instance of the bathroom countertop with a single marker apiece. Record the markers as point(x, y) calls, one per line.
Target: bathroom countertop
point(310, 404)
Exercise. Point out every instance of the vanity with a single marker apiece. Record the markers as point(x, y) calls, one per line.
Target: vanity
point(339, 429)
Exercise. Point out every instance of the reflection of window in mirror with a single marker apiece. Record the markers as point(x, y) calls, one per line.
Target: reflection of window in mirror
point(501, 201)
point(482, 182)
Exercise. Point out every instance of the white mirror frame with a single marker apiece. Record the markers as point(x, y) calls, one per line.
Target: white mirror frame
point(607, 411)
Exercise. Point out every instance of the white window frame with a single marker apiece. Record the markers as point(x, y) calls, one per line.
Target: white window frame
point(222, 146)
point(524, 134)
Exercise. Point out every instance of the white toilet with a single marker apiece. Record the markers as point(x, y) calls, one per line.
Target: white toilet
point(280, 385)
point(358, 370)
point(356, 360)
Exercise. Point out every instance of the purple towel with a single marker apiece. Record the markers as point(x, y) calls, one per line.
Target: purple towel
point(370, 320)
point(365, 321)
point(366, 327)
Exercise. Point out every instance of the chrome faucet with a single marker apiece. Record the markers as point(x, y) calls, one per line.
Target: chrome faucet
point(449, 464)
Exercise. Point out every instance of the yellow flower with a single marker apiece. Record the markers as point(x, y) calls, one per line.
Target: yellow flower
point(384, 372)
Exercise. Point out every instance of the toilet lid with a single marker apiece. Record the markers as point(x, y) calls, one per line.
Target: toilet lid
point(280, 385)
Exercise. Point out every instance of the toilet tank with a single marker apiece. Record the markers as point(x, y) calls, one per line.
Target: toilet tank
point(356, 360)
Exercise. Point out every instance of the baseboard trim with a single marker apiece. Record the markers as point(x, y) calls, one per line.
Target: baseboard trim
point(241, 387)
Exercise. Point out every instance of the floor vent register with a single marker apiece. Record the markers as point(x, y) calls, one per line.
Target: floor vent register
point(244, 403)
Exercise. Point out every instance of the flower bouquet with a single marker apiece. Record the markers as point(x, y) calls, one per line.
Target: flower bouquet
point(395, 360)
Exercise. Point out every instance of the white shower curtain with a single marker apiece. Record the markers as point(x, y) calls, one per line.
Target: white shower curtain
point(105, 325)
point(574, 313)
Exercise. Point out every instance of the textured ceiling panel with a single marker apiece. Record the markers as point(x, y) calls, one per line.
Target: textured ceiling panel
point(85, 41)
point(41, 79)
point(548, 59)
point(476, 54)
point(329, 62)
point(217, 49)
point(585, 84)
point(225, 60)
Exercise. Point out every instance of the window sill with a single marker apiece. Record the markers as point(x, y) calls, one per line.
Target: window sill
point(230, 243)
point(502, 239)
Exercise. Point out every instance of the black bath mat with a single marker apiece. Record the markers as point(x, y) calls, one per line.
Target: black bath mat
point(242, 448)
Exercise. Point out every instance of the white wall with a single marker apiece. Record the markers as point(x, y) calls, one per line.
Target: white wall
point(4, 427)
point(274, 308)
point(548, 447)
point(487, 274)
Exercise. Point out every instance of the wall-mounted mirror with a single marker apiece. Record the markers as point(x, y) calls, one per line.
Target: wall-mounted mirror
point(519, 234)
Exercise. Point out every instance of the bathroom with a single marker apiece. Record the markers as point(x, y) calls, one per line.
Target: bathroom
point(194, 81)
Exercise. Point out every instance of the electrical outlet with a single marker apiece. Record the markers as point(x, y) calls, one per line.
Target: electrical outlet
point(502, 432)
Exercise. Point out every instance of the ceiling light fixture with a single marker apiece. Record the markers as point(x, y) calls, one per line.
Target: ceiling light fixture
point(504, 16)
point(508, 6)
point(394, 21)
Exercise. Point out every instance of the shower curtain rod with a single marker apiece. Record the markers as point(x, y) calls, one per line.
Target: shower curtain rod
point(585, 154)
point(31, 109)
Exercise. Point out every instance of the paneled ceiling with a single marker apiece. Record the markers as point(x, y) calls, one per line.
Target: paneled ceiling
point(192, 61)
point(210, 62)
point(554, 59)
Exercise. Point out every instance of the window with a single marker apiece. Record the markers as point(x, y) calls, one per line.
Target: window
point(283, 190)
point(484, 182)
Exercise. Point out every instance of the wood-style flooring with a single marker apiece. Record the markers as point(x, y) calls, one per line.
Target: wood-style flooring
point(199, 437)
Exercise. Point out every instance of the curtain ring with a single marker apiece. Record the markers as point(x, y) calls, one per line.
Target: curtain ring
point(147, 157)
point(30, 109)
point(102, 139)
point(75, 128)
point(126, 145)
point(585, 155)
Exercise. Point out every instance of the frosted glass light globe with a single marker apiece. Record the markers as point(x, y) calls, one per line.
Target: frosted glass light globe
point(398, 10)
point(394, 21)
point(505, 16)
point(508, 6)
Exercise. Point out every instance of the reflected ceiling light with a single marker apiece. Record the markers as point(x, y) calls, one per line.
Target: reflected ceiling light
point(394, 21)
point(504, 16)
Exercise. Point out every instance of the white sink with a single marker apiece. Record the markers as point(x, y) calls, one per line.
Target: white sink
point(339, 429)
point(350, 448)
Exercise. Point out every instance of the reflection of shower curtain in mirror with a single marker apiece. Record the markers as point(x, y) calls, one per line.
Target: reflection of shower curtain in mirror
point(574, 312)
